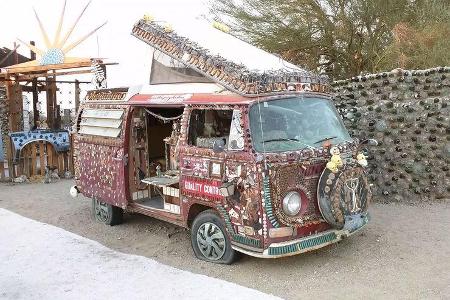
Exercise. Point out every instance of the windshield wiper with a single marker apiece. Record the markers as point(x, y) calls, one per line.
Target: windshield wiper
point(281, 140)
point(290, 140)
point(325, 139)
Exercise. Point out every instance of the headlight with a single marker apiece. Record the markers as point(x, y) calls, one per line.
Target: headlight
point(292, 203)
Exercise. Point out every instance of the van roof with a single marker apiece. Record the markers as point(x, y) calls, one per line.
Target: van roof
point(179, 94)
point(227, 60)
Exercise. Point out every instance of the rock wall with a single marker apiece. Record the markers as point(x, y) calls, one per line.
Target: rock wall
point(408, 113)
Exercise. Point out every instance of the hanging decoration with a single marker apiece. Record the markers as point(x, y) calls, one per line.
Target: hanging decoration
point(99, 71)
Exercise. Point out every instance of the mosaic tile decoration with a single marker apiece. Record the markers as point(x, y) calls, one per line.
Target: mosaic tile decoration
point(58, 138)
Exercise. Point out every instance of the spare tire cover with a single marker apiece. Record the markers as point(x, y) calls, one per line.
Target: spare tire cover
point(342, 194)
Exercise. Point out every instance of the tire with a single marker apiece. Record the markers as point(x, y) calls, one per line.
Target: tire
point(106, 213)
point(210, 240)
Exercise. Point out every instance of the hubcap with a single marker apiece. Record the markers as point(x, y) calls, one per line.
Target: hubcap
point(211, 241)
point(101, 211)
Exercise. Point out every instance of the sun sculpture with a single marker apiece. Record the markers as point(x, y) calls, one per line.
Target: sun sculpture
point(59, 47)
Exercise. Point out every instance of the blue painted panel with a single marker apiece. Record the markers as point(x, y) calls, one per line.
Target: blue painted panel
point(58, 138)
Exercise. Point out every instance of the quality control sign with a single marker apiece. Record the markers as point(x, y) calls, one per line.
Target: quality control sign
point(201, 188)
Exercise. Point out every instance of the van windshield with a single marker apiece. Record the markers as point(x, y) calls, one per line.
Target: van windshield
point(295, 123)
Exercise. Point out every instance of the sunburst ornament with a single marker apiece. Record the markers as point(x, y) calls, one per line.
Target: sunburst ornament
point(57, 50)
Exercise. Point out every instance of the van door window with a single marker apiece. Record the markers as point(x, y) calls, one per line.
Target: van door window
point(207, 126)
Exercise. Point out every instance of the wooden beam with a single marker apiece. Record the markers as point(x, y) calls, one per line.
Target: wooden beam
point(45, 81)
point(45, 74)
point(31, 89)
point(33, 66)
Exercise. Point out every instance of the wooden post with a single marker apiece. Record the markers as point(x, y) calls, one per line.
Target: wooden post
point(71, 158)
point(2, 170)
point(26, 160)
point(33, 159)
point(16, 55)
point(15, 105)
point(13, 121)
point(9, 156)
point(77, 95)
point(51, 100)
point(35, 93)
point(42, 157)
point(60, 163)
point(50, 157)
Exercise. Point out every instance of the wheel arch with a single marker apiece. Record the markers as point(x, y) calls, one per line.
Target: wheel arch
point(194, 210)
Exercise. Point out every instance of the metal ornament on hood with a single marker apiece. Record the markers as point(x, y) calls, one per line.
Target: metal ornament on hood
point(344, 196)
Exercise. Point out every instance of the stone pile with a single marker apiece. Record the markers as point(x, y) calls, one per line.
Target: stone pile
point(408, 113)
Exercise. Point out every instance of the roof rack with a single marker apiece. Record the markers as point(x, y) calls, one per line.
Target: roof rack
point(237, 77)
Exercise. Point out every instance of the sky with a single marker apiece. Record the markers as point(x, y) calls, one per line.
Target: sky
point(115, 42)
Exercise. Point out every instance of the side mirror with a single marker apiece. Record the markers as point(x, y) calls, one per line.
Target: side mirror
point(370, 142)
point(219, 145)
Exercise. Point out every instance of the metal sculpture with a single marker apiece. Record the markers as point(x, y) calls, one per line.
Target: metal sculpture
point(57, 50)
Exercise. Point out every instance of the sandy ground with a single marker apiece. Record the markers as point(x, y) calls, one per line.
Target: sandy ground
point(404, 253)
point(41, 261)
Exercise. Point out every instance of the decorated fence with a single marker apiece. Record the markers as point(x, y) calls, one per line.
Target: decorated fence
point(408, 113)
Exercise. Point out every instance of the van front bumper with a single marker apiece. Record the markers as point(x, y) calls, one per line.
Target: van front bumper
point(306, 244)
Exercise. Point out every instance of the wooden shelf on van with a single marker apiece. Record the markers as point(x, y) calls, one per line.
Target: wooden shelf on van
point(162, 181)
point(164, 191)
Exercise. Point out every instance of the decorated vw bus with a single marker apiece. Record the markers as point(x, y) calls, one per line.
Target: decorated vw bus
point(252, 162)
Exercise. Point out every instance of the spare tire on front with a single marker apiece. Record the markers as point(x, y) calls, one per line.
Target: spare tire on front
point(344, 196)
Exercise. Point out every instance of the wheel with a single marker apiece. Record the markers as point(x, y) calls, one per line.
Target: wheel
point(106, 213)
point(210, 241)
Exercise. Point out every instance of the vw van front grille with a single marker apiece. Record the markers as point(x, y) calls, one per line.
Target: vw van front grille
point(295, 177)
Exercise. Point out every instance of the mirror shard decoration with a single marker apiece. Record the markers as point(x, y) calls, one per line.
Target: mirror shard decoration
point(236, 140)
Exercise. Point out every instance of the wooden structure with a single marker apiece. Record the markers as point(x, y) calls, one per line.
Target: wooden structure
point(40, 154)
point(40, 74)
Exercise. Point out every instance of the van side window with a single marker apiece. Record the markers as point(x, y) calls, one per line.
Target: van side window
point(101, 122)
point(206, 126)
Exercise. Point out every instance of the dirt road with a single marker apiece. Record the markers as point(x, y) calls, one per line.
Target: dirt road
point(404, 253)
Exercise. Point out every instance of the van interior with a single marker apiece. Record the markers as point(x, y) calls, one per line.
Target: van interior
point(153, 155)
point(153, 166)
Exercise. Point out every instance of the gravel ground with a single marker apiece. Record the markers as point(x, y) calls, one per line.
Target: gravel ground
point(404, 253)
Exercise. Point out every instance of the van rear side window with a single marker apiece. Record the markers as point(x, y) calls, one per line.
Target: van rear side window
point(101, 122)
